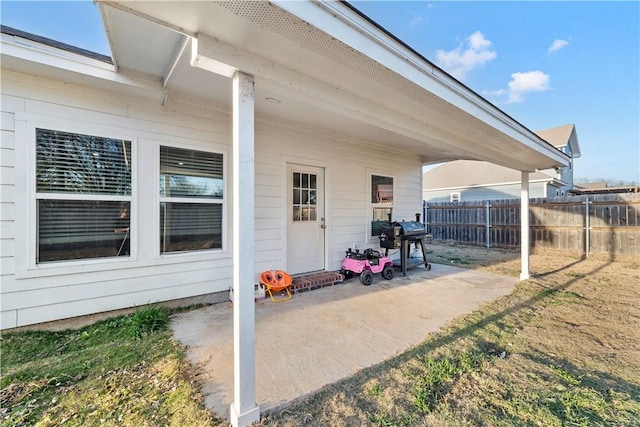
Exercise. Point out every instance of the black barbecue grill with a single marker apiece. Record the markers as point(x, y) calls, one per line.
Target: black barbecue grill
point(400, 235)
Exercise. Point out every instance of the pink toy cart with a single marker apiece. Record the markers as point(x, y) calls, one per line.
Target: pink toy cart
point(366, 264)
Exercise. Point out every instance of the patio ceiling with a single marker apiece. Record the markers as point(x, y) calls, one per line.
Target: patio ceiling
point(325, 79)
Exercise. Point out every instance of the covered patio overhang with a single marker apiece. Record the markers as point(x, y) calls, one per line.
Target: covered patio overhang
point(324, 66)
point(329, 67)
point(319, 65)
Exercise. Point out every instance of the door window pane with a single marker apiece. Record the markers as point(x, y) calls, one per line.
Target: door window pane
point(304, 197)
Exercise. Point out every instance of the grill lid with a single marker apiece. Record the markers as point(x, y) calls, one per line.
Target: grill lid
point(410, 228)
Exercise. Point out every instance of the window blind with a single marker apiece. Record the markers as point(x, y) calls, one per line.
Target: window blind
point(190, 226)
point(82, 164)
point(189, 173)
point(78, 229)
point(191, 191)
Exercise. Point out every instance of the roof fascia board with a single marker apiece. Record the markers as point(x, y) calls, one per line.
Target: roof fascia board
point(107, 28)
point(499, 184)
point(573, 142)
point(29, 50)
point(36, 53)
point(360, 34)
point(557, 182)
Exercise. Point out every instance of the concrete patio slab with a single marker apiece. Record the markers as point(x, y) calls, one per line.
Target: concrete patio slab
point(322, 336)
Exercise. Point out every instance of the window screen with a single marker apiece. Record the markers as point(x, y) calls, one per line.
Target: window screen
point(83, 193)
point(191, 195)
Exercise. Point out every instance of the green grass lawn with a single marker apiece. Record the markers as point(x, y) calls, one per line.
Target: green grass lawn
point(562, 349)
point(123, 371)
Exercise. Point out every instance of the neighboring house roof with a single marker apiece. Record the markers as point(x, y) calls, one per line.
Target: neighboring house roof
point(470, 173)
point(601, 187)
point(605, 190)
point(591, 185)
point(561, 136)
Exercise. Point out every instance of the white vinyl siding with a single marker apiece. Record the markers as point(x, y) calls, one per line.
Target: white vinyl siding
point(348, 169)
point(33, 294)
point(496, 192)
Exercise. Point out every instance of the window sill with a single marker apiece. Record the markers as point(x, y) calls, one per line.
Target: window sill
point(89, 266)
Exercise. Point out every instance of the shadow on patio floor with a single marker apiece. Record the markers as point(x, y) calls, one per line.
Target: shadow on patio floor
point(322, 336)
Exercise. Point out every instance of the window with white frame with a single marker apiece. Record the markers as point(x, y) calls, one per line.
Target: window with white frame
point(381, 202)
point(83, 196)
point(191, 200)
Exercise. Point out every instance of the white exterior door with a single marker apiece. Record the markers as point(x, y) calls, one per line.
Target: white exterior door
point(305, 219)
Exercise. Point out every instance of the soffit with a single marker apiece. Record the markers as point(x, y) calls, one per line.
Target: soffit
point(395, 111)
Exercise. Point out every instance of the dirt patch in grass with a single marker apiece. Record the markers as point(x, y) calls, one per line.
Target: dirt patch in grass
point(126, 371)
point(562, 349)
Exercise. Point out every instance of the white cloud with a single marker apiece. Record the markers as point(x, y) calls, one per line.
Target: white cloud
point(520, 85)
point(557, 45)
point(523, 83)
point(463, 59)
point(416, 21)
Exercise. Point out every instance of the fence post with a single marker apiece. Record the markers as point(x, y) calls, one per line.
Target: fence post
point(587, 226)
point(424, 213)
point(488, 224)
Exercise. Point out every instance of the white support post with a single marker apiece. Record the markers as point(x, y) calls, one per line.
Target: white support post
point(244, 409)
point(488, 224)
point(524, 226)
point(587, 228)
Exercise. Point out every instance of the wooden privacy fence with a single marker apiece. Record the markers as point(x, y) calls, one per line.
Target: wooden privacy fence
point(607, 223)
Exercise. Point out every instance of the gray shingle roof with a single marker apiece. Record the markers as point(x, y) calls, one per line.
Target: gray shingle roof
point(53, 43)
point(466, 173)
point(557, 136)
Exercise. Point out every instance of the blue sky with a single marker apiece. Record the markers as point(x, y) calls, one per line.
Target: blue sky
point(544, 63)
